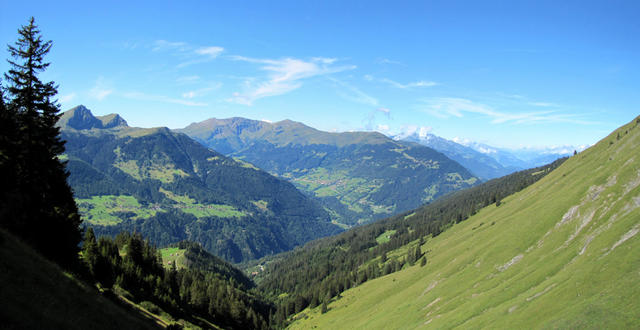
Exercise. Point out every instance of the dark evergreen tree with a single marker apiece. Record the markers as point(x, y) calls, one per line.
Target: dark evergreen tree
point(323, 309)
point(36, 202)
point(90, 252)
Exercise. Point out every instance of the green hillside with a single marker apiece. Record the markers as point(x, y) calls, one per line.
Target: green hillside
point(357, 176)
point(36, 294)
point(170, 188)
point(563, 253)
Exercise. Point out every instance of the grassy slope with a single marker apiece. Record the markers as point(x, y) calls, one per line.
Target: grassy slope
point(175, 256)
point(520, 265)
point(36, 294)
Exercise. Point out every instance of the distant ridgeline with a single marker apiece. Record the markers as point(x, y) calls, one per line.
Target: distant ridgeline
point(170, 188)
point(357, 176)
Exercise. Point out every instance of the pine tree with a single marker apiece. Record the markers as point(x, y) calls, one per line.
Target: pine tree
point(36, 202)
point(90, 251)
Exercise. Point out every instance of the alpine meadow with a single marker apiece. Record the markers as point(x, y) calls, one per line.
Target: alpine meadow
point(320, 165)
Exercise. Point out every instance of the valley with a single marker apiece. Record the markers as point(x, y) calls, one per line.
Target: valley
point(358, 177)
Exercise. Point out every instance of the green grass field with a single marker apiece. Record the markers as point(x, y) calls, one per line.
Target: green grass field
point(102, 210)
point(189, 205)
point(385, 237)
point(173, 255)
point(563, 253)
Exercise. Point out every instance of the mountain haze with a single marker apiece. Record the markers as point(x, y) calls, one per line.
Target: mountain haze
point(171, 188)
point(357, 176)
point(482, 165)
point(562, 253)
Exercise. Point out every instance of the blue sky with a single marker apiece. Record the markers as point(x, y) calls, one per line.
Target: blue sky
point(505, 73)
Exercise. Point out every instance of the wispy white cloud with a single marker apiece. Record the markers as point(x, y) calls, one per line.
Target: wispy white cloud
point(457, 107)
point(283, 76)
point(161, 98)
point(388, 61)
point(189, 53)
point(420, 83)
point(325, 60)
point(393, 83)
point(101, 89)
point(353, 94)
point(211, 52)
point(370, 122)
point(543, 104)
point(188, 80)
point(67, 98)
point(409, 130)
point(383, 128)
point(162, 45)
point(201, 91)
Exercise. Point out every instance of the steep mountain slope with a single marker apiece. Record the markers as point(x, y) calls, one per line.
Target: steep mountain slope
point(358, 176)
point(563, 253)
point(485, 167)
point(170, 188)
point(37, 294)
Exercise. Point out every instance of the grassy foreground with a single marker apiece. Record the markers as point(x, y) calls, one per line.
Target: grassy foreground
point(563, 253)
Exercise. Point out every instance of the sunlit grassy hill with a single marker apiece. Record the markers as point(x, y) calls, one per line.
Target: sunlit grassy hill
point(563, 253)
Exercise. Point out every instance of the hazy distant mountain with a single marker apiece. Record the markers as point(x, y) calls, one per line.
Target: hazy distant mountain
point(358, 176)
point(170, 188)
point(521, 158)
point(482, 165)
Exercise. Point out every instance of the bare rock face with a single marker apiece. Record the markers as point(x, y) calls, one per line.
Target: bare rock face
point(81, 118)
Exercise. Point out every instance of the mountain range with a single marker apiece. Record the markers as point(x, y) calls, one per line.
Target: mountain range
point(357, 176)
point(488, 162)
point(171, 188)
point(562, 253)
